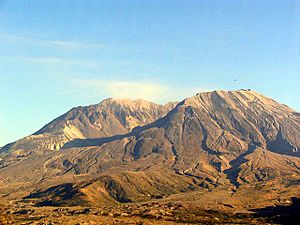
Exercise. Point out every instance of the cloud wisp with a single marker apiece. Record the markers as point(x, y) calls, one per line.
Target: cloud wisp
point(147, 90)
point(48, 43)
point(55, 61)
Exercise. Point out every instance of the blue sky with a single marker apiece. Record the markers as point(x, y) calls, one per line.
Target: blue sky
point(55, 55)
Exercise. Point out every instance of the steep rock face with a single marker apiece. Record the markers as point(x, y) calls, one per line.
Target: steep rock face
point(109, 117)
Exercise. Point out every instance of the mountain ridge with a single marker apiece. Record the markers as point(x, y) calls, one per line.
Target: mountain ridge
point(99, 120)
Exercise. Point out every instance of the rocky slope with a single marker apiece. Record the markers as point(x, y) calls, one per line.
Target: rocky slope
point(222, 141)
point(108, 118)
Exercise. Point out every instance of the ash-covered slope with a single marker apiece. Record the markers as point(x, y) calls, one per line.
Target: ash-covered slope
point(214, 139)
point(208, 136)
point(108, 118)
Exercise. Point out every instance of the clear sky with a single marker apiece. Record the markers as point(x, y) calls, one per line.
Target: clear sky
point(55, 55)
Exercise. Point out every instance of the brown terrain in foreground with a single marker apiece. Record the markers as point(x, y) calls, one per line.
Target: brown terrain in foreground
point(218, 157)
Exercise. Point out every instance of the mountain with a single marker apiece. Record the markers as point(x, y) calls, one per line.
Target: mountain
point(108, 118)
point(215, 147)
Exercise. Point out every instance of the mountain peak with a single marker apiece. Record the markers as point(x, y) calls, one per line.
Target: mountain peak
point(234, 99)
